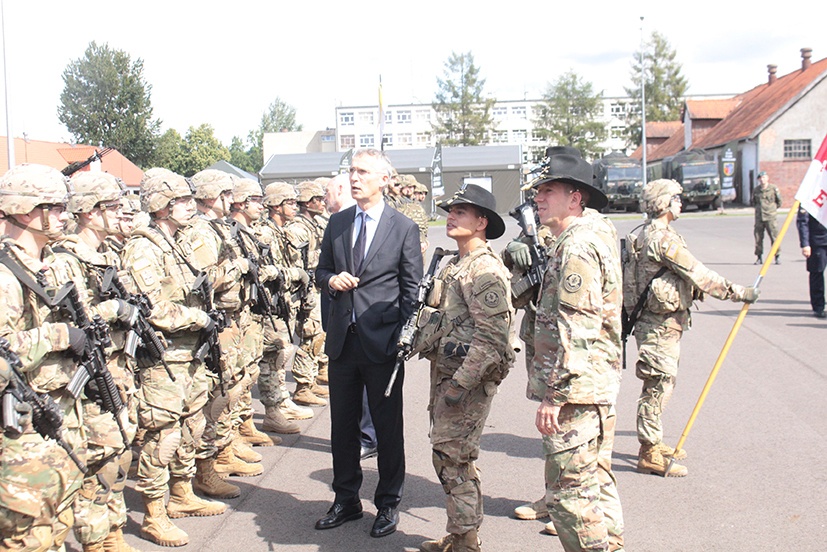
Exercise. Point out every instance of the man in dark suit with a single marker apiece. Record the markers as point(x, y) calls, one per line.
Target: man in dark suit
point(371, 264)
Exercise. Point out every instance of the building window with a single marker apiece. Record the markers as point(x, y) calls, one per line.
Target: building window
point(537, 136)
point(518, 112)
point(797, 149)
point(346, 118)
point(423, 138)
point(328, 138)
point(519, 135)
point(617, 108)
point(499, 112)
point(617, 132)
point(423, 115)
point(387, 140)
point(366, 117)
point(366, 140)
point(404, 139)
point(403, 116)
point(347, 141)
point(499, 136)
point(388, 117)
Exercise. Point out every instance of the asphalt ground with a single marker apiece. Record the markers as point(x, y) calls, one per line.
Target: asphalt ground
point(756, 453)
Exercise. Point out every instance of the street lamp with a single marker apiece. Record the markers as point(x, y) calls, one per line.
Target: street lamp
point(643, 101)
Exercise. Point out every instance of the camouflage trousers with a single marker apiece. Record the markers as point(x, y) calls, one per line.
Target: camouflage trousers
point(771, 229)
point(172, 413)
point(278, 354)
point(659, 349)
point(312, 337)
point(581, 490)
point(252, 349)
point(455, 438)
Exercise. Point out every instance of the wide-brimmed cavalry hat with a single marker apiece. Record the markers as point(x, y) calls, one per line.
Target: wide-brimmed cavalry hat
point(565, 164)
point(471, 194)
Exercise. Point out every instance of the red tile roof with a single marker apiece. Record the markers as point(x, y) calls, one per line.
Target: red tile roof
point(672, 146)
point(662, 129)
point(711, 109)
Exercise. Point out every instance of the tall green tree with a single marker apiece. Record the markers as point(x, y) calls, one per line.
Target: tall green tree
point(664, 84)
point(243, 157)
point(279, 117)
point(570, 115)
point(200, 149)
point(169, 151)
point(463, 114)
point(106, 102)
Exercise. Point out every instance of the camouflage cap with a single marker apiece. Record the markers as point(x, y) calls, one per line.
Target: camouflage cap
point(277, 192)
point(211, 183)
point(307, 190)
point(161, 188)
point(406, 180)
point(657, 195)
point(244, 189)
point(322, 181)
point(420, 187)
point(130, 203)
point(91, 188)
point(155, 171)
point(26, 186)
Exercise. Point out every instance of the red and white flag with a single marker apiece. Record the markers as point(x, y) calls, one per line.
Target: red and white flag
point(813, 190)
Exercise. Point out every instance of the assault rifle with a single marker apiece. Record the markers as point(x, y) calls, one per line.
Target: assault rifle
point(210, 350)
point(72, 168)
point(524, 213)
point(407, 337)
point(92, 373)
point(47, 419)
point(140, 335)
point(260, 295)
point(304, 293)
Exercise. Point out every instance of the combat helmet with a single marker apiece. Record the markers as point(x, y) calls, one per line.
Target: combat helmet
point(158, 190)
point(91, 188)
point(307, 190)
point(211, 183)
point(420, 187)
point(130, 204)
point(278, 192)
point(244, 189)
point(657, 196)
point(26, 186)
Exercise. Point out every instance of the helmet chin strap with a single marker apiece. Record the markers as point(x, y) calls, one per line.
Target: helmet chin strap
point(45, 230)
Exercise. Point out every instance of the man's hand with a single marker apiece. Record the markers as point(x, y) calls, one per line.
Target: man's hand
point(520, 254)
point(547, 418)
point(343, 281)
point(454, 394)
point(806, 251)
point(751, 295)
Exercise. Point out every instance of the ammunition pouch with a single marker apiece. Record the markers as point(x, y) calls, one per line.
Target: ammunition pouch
point(669, 293)
point(428, 325)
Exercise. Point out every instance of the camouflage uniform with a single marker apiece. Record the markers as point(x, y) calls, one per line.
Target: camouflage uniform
point(410, 208)
point(766, 199)
point(577, 366)
point(38, 480)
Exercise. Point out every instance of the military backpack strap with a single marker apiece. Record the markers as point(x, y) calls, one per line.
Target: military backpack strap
point(38, 288)
point(631, 320)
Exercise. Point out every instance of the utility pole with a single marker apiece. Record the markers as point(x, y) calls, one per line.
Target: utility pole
point(643, 101)
point(9, 137)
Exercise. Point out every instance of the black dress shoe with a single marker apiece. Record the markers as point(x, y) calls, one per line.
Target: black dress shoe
point(820, 314)
point(367, 452)
point(386, 521)
point(339, 514)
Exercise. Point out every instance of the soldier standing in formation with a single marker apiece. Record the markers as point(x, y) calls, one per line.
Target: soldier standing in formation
point(766, 198)
point(469, 361)
point(675, 279)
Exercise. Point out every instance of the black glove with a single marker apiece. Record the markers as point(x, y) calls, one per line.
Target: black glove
point(77, 340)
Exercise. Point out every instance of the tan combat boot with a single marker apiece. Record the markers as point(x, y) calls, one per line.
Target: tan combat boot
point(550, 529)
point(276, 422)
point(228, 464)
point(245, 452)
point(666, 450)
point(651, 460)
point(184, 503)
point(93, 547)
point(252, 436)
point(321, 377)
point(158, 528)
point(114, 542)
point(208, 483)
point(535, 510)
point(292, 411)
point(304, 395)
point(466, 542)
point(445, 544)
point(318, 390)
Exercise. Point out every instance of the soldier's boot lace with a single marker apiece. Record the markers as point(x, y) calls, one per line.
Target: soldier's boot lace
point(228, 464)
point(208, 482)
point(535, 510)
point(292, 411)
point(666, 450)
point(93, 547)
point(184, 503)
point(651, 460)
point(277, 422)
point(252, 436)
point(304, 396)
point(114, 542)
point(157, 526)
point(245, 452)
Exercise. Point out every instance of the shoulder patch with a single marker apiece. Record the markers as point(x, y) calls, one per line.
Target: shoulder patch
point(573, 282)
point(672, 249)
point(491, 299)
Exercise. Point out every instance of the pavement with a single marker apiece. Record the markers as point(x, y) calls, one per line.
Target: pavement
point(756, 453)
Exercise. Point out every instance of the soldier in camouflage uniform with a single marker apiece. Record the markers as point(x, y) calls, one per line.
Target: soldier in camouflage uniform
point(766, 198)
point(677, 279)
point(407, 206)
point(309, 230)
point(171, 412)
point(471, 358)
point(100, 511)
point(38, 480)
point(576, 370)
point(420, 192)
point(280, 354)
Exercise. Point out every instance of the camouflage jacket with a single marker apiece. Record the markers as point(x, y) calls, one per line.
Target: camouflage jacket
point(766, 200)
point(474, 291)
point(577, 334)
point(306, 229)
point(414, 211)
point(283, 247)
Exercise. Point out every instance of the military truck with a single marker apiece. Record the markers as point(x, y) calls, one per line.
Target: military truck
point(621, 179)
point(696, 171)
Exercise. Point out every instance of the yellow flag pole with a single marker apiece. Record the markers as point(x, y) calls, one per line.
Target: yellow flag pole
point(733, 332)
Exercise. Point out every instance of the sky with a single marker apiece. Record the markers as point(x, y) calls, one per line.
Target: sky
point(224, 63)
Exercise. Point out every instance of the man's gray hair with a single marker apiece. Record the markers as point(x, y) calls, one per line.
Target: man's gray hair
point(378, 155)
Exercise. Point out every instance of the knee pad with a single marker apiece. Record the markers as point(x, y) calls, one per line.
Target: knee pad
point(451, 474)
point(167, 442)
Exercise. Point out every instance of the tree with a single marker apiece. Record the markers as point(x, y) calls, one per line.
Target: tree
point(463, 115)
point(242, 157)
point(665, 86)
point(279, 117)
point(570, 113)
point(200, 149)
point(169, 151)
point(106, 102)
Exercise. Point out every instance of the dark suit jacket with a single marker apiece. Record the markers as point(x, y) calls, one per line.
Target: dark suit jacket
point(384, 299)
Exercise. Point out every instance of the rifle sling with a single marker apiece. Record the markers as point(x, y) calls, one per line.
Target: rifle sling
point(642, 299)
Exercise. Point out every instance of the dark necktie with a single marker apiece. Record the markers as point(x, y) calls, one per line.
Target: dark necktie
point(359, 246)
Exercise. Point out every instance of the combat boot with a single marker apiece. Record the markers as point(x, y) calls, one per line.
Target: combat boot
point(93, 547)
point(550, 529)
point(228, 464)
point(208, 483)
point(321, 377)
point(535, 510)
point(277, 422)
point(157, 527)
point(184, 503)
point(445, 544)
point(651, 460)
point(466, 542)
point(304, 396)
point(243, 451)
point(666, 450)
point(114, 542)
point(319, 390)
point(292, 411)
point(252, 436)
